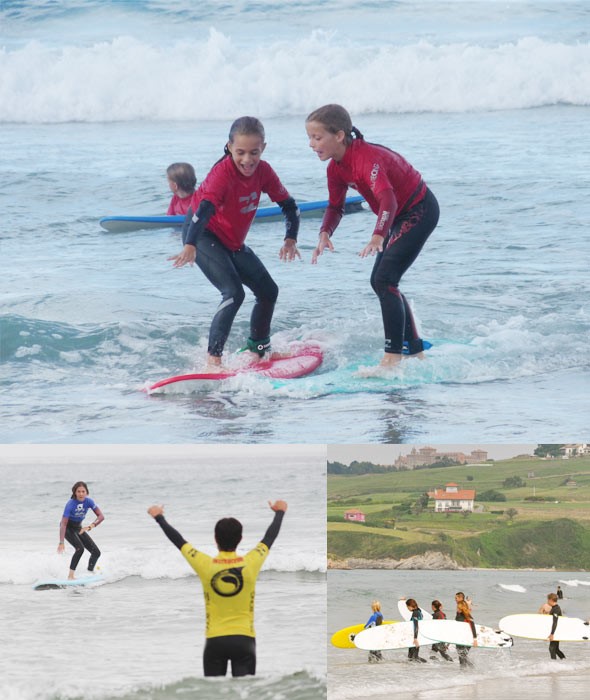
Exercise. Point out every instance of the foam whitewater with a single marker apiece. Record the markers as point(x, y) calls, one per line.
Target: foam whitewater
point(143, 44)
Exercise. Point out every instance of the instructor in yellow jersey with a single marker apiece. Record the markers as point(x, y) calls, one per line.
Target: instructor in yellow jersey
point(229, 582)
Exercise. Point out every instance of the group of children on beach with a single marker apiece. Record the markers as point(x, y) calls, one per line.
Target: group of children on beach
point(218, 215)
point(463, 614)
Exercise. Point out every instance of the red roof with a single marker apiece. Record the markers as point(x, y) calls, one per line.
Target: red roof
point(460, 495)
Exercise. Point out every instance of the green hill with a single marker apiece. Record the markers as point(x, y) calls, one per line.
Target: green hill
point(544, 522)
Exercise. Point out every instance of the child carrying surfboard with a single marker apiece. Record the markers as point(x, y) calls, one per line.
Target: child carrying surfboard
point(216, 226)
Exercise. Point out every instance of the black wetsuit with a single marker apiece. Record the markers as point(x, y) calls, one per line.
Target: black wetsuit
point(229, 270)
point(461, 650)
point(79, 542)
point(413, 651)
point(399, 252)
point(554, 650)
point(440, 647)
point(238, 649)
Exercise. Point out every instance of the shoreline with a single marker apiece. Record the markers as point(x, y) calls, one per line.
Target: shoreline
point(431, 561)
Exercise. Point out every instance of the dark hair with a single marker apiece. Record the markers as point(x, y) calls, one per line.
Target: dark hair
point(244, 126)
point(436, 604)
point(410, 602)
point(552, 596)
point(335, 118)
point(460, 593)
point(228, 534)
point(76, 485)
point(183, 174)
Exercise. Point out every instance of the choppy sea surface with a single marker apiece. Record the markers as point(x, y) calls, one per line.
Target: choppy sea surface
point(490, 103)
point(139, 635)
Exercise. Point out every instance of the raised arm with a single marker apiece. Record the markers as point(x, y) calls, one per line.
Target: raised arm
point(271, 534)
point(157, 513)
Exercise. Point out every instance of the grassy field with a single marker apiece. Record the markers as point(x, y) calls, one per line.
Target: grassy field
point(548, 533)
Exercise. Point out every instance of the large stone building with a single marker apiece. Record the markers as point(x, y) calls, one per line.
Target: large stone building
point(430, 455)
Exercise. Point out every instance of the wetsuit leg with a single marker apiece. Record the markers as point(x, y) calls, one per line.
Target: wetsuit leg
point(257, 278)
point(555, 651)
point(73, 537)
point(404, 242)
point(90, 545)
point(238, 649)
point(216, 263)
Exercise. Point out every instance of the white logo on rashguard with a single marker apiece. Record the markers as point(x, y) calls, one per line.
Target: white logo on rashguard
point(251, 203)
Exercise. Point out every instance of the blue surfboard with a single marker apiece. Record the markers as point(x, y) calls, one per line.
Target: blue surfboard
point(126, 224)
point(55, 583)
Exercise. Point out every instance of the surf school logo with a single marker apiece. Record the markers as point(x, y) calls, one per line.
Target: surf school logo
point(80, 509)
point(251, 203)
point(374, 174)
point(228, 582)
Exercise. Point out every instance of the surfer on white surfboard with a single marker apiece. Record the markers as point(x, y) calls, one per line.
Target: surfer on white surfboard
point(71, 527)
point(407, 213)
point(216, 227)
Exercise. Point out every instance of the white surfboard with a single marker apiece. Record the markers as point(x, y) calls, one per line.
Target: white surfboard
point(55, 583)
point(454, 632)
point(535, 626)
point(397, 636)
point(407, 614)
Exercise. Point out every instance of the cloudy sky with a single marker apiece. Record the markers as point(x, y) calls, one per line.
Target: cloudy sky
point(387, 454)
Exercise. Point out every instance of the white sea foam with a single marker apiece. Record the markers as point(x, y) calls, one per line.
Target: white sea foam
point(514, 587)
point(125, 79)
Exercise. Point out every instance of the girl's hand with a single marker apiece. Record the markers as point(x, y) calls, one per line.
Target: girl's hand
point(375, 245)
point(60, 548)
point(475, 642)
point(289, 250)
point(188, 255)
point(416, 643)
point(154, 511)
point(323, 243)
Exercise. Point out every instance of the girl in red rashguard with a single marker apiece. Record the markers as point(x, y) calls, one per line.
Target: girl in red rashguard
point(407, 213)
point(216, 227)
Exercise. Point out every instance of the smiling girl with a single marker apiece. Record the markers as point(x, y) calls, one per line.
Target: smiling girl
point(72, 529)
point(407, 213)
point(216, 226)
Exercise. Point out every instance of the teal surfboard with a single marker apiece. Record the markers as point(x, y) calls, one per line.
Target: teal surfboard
point(55, 583)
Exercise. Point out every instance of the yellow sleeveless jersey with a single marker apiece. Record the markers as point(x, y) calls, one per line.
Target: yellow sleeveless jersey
point(229, 582)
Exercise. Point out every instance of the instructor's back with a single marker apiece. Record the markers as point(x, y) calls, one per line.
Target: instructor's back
point(229, 582)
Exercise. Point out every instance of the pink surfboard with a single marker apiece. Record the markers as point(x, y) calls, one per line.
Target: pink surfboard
point(302, 360)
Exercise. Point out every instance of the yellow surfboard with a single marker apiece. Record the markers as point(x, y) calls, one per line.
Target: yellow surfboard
point(344, 638)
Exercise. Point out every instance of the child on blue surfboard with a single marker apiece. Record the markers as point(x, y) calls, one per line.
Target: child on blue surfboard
point(216, 226)
point(407, 213)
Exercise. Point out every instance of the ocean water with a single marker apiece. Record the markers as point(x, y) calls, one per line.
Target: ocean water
point(495, 673)
point(490, 102)
point(140, 635)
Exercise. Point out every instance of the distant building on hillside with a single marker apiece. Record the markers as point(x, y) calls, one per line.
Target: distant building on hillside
point(453, 499)
point(580, 450)
point(430, 455)
point(355, 516)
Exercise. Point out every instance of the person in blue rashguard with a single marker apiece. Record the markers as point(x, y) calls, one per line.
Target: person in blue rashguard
point(375, 620)
point(71, 527)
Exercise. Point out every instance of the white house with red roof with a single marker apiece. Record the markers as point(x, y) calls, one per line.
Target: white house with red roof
point(355, 516)
point(453, 499)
